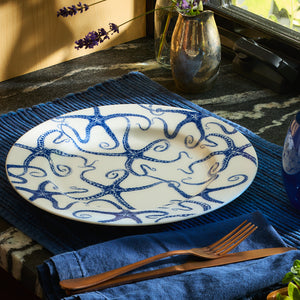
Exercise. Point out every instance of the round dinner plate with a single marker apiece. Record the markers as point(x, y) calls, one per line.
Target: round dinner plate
point(131, 164)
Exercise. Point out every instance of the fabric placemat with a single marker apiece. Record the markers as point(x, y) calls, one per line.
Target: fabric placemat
point(58, 235)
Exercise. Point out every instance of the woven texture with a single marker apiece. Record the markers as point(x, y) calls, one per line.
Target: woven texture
point(57, 234)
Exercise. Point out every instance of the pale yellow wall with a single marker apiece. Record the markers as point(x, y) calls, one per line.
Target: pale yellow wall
point(32, 37)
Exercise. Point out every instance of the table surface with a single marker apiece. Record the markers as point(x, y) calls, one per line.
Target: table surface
point(234, 97)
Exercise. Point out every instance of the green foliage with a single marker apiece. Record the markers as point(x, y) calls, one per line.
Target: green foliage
point(261, 8)
point(293, 280)
point(290, 6)
point(274, 10)
point(265, 8)
point(294, 274)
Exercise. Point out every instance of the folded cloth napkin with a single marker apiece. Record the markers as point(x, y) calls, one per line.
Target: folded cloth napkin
point(233, 281)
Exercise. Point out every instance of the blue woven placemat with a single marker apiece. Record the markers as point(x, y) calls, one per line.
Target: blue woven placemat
point(57, 234)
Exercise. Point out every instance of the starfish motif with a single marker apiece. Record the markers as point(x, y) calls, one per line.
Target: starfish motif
point(43, 193)
point(35, 172)
point(41, 151)
point(114, 189)
point(190, 117)
point(94, 120)
point(205, 194)
point(123, 214)
point(231, 151)
point(132, 155)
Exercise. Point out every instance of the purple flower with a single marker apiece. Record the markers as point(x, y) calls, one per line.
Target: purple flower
point(93, 38)
point(72, 10)
point(190, 7)
point(89, 41)
point(81, 8)
point(80, 44)
point(63, 12)
point(102, 33)
point(114, 28)
point(185, 5)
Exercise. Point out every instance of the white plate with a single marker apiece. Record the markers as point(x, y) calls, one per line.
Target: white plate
point(131, 165)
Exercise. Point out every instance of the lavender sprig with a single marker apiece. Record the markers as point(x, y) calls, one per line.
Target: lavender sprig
point(93, 38)
point(72, 10)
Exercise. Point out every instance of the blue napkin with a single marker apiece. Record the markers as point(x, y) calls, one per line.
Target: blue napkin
point(233, 281)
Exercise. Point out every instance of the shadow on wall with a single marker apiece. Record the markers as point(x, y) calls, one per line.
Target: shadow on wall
point(39, 36)
point(36, 38)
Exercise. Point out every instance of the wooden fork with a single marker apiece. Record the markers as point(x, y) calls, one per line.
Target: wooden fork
point(213, 251)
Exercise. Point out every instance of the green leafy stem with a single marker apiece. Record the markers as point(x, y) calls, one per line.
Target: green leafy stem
point(293, 280)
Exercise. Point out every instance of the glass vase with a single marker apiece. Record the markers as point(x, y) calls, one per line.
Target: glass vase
point(195, 52)
point(291, 162)
point(165, 17)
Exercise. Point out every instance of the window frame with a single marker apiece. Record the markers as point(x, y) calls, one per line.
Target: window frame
point(256, 27)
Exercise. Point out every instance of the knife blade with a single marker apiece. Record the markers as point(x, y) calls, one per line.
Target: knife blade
point(188, 266)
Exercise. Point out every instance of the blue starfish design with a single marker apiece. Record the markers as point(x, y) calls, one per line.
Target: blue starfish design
point(97, 119)
point(132, 155)
point(42, 193)
point(36, 172)
point(41, 151)
point(231, 151)
point(182, 205)
point(190, 117)
point(117, 216)
point(205, 194)
point(115, 189)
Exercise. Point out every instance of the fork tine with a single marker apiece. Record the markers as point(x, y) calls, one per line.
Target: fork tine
point(232, 237)
point(229, 235)
point(235, 239)
point(238, 240)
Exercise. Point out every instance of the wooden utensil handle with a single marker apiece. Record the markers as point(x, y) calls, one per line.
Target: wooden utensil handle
point(85, 282)
point(188, 266)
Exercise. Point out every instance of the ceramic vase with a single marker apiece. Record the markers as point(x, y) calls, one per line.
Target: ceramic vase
point(165, 17)
point(195, 52)
point(291, 162)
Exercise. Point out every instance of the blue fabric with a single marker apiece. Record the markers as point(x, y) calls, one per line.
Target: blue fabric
point(234, 281)
point(59, 235)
